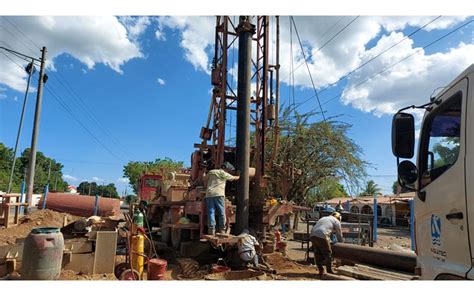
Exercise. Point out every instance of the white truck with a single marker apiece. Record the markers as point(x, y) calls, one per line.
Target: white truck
point(443, 179)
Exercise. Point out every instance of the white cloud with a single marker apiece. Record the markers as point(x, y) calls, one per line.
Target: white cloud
point(89, 39)
point(3, 96)
point(70, 178)
point(197, 36)
point(123, 180)
point(97, 179)
point(410, 82)
point(160, 35)
point(15, 99)
point(345, 52)
point(160, 81)
point(136, 26)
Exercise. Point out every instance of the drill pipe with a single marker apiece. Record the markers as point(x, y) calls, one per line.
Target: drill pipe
point(401, 261)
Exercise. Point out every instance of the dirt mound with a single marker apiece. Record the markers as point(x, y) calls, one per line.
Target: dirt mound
point(289, 268)
point(39, 218)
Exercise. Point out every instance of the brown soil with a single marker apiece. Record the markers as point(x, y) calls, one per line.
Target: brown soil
point(291, 269)
point(69, 275)
point(39, 218)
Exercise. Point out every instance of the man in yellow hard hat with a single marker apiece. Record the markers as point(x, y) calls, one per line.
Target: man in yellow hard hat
point(320, 237)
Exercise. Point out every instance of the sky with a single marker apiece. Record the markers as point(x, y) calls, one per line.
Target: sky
point(138, 88)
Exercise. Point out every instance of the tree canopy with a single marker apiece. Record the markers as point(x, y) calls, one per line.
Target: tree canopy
point(86, 188)
point(135, 169)
point(371, 188)
point(313, 157)
point(41, 172)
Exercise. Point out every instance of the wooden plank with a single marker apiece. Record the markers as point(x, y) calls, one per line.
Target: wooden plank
point(83, 263)
point(105, 249)
point(12, 249)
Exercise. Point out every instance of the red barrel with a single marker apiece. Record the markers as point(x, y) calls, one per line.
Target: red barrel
point(42, 254)
point(156, 269)
point(81, 205)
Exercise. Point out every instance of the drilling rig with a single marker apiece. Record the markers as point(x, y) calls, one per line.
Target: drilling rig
point(254, 104)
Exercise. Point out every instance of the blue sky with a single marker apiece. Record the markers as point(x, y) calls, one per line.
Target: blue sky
point(149, 91)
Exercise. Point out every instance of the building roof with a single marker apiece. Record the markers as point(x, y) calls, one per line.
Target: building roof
point(381, 199)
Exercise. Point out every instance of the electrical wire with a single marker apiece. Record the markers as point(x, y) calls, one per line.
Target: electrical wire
point(307, 66)
point(326, 43)
point(388, 67)
point(380, 54)
point(71, 113)
point(400, 61)
point(67, 86)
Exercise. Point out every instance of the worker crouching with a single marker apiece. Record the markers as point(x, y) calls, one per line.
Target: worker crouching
point(321, 239)
point(246, 248)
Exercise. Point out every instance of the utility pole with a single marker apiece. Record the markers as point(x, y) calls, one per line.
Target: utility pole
point(30, 69)
point(34, 139)
point(245, 31)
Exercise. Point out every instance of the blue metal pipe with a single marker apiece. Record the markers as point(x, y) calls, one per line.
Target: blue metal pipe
point(375, 220)
point(96, 206)
point(22, 195)
point(45, 195)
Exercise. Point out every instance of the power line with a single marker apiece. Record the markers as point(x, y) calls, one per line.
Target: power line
point(380, 53)
point(307, 66)
point(66, 85)
point(327, 42)
point(388, 67)
point(404, 59)
point(69, 111)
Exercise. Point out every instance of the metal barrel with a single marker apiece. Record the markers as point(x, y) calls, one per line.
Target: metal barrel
point(401, 261)
point(42, 254)
point(156, 269)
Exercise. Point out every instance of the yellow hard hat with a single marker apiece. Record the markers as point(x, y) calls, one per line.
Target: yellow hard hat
point(337, 215)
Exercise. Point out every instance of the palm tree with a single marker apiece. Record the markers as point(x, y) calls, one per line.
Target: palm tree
point(370, 189)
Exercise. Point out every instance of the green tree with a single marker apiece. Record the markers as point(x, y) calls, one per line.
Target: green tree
point(371, 188)
point(129, 199)
point(41, 171)
point(328, 189)
point(135, 169)
point(86, 188)
point(311, 154)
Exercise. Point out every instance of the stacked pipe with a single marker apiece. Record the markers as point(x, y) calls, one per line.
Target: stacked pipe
point(401, 261)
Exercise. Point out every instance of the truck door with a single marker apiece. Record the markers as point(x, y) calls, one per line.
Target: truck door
point(470, 169)
point(441, 220)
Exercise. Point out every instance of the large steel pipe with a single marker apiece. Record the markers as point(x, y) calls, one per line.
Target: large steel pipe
point(383, 258)
point(81, 205)
point(245, 30)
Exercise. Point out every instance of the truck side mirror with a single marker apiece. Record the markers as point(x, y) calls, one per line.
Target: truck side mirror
point(403, 135)
point(407, 174)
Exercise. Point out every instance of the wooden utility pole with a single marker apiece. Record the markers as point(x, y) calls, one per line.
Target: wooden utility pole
point(34, 138)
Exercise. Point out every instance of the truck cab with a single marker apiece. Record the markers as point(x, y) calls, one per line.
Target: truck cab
point(443, 179)
point(149, 187)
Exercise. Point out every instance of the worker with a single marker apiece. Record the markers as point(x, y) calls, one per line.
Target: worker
point(246, 248)
point(339, 207)
point(320, 237)
point(215, 196)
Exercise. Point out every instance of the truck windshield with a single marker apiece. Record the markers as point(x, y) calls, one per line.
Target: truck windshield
point(441, 140)
point(151, 182)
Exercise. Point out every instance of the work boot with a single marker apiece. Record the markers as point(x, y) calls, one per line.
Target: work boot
point(321, 271)
point(220, 231)
point(329, 268)
point(211, 231)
